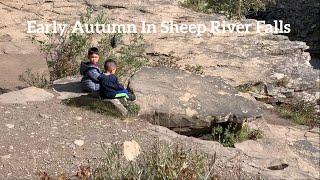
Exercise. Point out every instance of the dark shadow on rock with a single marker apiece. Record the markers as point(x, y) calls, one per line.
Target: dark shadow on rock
point(111, 107)
point(315, 63)
point(74, 87)
point(278, 167)
point(4, 90)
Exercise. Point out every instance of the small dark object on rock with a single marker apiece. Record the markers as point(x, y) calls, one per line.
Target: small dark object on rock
point(278, 167)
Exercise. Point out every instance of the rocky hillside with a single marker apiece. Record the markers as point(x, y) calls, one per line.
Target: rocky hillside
point(266, 67)
point(238, 58)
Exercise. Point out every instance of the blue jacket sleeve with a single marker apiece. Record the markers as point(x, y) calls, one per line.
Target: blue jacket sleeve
point(93, 74)
point(110, 82)
point(117, 86)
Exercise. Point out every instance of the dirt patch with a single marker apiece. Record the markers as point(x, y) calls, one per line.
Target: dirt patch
point(15, 64)
point(39, 138)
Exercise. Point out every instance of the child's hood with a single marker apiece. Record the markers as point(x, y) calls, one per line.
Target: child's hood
point(85, 66)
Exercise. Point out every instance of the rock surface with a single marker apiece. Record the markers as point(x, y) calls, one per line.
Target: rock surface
point(69, 88)
point(238, 58)
point(23, 96)
point(183, 101)
point(291, 149)
point(45, 141)
point(278, 148)
point(48, 144)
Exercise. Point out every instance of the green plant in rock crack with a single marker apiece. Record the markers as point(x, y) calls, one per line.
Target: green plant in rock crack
point(302, 113)
point(197, 69)
point(230, 133)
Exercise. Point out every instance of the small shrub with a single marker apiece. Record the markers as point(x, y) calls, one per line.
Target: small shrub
point(133, 108)
point(300, 113)
point(197, 69)
point(196, 5)
point(283, 82)
point(34, 79)
point(246, 133)
point(232, 9)
point(167, 60)
point(231, 133)
point(65, 53)
point(131, 57)
point(244, 87)
point(161, 162)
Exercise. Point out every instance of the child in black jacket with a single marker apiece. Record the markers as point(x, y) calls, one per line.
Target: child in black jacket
point(110, 88)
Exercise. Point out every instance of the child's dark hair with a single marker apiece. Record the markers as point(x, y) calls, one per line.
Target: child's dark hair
point(93, 50)
point(109, 63)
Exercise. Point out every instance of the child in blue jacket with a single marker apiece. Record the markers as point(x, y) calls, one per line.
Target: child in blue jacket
point(91, 71)
point(110, 88)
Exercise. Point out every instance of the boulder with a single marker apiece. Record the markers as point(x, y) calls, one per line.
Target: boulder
point(23, 96)
point(111, 106)
point(187, 102)
point(68, 87)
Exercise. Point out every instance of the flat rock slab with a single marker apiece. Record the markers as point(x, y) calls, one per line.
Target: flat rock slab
point(69, 87)
point(23, 96)
point(177, 99)
point(111, 106)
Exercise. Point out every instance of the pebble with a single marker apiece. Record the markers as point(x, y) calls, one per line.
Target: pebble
point(6, 156)
point(10, 126)
point(78, 118)
point(268, 106)
point(7, 112)
point(44, 116)
point(79, 142)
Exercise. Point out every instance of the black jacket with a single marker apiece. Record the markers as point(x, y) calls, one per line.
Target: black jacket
point(109, 86)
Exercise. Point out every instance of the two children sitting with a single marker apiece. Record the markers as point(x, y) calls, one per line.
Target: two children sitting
point(106, 83)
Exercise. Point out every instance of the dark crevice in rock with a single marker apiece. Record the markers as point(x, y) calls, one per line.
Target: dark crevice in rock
point(108, 6)
point(278, 167)
point(4, 90)
point(145, 11)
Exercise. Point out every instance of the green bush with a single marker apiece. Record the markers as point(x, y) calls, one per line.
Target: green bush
point(131, 57)
point(230, 133)
point(197, 69)
point(161, 162)
point(65, 53)
point(300, 113)
point(133, 108)
point(230, 8)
